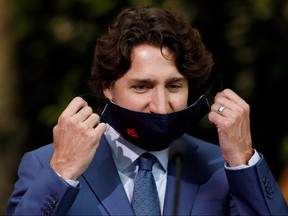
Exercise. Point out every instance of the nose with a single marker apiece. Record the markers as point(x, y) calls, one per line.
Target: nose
point(159, 101)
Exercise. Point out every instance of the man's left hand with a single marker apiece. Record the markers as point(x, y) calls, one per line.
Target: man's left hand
point(230, 114)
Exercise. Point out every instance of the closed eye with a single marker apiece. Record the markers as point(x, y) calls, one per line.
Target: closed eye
point(176, 84)
point(142, 86)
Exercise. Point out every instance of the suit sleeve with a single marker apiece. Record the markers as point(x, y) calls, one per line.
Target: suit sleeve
point(254, 191)
point(39, 190)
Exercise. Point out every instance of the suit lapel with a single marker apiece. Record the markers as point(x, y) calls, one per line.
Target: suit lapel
point(103, 178)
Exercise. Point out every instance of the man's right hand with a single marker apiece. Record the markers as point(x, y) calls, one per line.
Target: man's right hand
point(76, 139)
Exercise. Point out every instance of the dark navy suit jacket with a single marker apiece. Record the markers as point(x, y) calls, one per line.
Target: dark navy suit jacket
point(206, 187)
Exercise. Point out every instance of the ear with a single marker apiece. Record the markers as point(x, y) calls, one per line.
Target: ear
point(107, 91)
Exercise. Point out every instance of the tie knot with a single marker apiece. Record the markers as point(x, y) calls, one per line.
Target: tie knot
point(146, 161)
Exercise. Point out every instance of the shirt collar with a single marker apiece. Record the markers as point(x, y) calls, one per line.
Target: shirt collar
point(125, 153)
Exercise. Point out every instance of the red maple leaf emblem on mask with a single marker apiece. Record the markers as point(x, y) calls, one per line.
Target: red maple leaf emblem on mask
point(132, 132)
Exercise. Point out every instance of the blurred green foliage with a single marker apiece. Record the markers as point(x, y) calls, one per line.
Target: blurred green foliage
point(55, 43)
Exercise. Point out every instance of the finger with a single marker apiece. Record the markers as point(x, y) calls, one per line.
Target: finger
point(220, 110)
point(232, 108)
point(222, 100)
point(73, 107)
point(231, 101)
point(100, 129)
point(215, 119)
point(231, 96)
point(92, 121)
point(83, 113)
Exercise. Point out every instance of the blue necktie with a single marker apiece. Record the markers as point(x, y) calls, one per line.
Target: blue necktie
point(145, 196)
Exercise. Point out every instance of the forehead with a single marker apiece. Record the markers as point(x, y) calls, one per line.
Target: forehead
point(151, 60)
point(145, 51)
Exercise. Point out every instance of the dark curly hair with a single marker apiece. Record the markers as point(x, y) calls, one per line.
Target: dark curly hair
point(153, 26)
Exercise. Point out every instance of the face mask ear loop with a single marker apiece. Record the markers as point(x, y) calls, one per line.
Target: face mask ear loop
point(93, 101)
point(213, 84)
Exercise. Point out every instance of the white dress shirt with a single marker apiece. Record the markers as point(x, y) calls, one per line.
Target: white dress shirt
point(125, 155)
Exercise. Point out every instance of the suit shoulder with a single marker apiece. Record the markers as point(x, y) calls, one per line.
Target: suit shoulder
point(43, 153)
point(46, 149)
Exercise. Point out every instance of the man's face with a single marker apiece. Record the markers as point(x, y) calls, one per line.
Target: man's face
point(152, 84)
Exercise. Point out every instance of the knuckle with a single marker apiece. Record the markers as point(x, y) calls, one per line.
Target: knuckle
point(55, 128)
point(242, 110)
point(95, 116)
point(89, 109)
point(217, 96)
point(247, 107)
point(79, 99)
point(71, 121)
point(82, 128)
point(61, 120)
point(226, 124)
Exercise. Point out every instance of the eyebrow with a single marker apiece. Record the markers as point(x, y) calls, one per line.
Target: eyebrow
point(147, 81)
point(177, 79)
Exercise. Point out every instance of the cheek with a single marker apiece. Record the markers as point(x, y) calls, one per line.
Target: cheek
point(179, 102)
point(132, 102)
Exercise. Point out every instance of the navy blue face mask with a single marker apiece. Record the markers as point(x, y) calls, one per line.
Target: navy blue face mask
point(153, 132)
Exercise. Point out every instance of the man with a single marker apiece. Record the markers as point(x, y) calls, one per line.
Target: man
point(150, 66)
